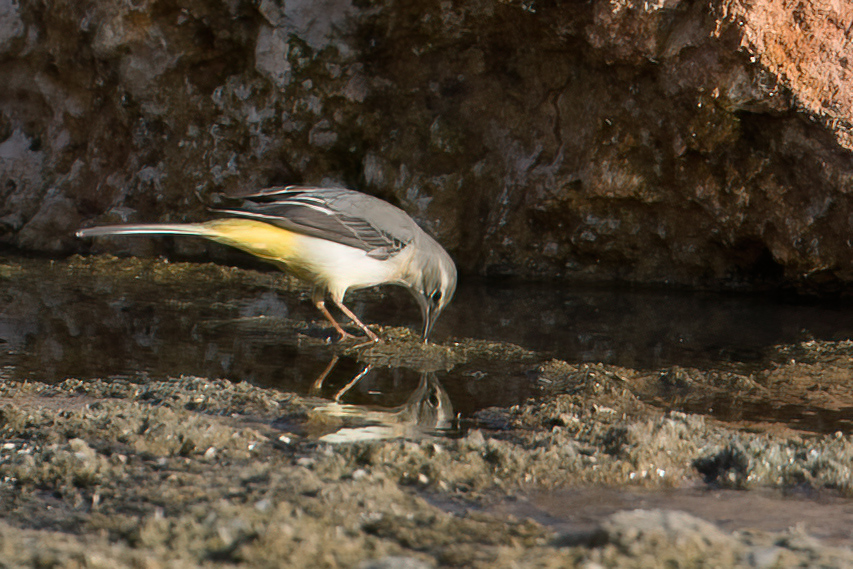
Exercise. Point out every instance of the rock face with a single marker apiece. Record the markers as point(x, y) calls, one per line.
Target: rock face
point(603, 140)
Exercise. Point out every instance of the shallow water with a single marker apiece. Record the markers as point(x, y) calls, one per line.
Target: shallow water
point(644, 329)
point(576, 514)
point(58, 322)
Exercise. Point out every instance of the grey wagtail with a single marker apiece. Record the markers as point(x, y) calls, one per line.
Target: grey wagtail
point(335, 239)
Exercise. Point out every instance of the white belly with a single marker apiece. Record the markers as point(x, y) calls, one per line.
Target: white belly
point(338, 267)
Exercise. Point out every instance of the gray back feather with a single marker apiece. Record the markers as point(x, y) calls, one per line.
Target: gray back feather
point(343, 216)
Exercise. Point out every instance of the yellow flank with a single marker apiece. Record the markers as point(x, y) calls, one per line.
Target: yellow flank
point(255, 237)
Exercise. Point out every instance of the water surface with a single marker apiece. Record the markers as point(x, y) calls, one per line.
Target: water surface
point(140, 319)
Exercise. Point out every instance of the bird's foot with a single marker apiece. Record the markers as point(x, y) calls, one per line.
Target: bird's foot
point(366, 344)
point(345, 336)
point(372, 341)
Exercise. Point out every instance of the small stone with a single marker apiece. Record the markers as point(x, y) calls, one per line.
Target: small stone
point(396, 562)
point(476, 439)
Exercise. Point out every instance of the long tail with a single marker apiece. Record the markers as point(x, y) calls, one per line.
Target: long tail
point(256, 237)
point(149, 229)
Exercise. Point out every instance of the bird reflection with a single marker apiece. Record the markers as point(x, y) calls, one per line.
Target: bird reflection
point(428, 411)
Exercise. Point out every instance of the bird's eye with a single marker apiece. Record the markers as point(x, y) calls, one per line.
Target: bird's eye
point(433, 400)
point(436, 296)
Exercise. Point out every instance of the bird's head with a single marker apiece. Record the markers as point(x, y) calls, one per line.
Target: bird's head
point(433, 285)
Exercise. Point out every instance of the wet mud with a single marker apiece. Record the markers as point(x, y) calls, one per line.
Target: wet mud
point(159, 414)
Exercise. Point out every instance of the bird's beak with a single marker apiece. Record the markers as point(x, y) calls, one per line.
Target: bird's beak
point(429, 313)
point(429, 319)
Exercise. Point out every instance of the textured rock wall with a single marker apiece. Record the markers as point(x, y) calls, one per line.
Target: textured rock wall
point(664, 141)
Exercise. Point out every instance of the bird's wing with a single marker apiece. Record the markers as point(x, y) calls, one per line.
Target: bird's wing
point(343, 216)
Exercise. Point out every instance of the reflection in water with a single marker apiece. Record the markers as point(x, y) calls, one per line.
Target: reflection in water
point(427, 411)
point(134, 323)
point(57, 323)
point(107, 318)
point(317, 388)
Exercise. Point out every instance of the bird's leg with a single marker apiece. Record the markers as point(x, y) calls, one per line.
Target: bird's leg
point(342, 391)
point(373, 337)
point(321, 305)
point(318, 383)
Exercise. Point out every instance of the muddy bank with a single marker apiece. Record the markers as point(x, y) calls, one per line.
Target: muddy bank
point(197, 472)
point(159, 471)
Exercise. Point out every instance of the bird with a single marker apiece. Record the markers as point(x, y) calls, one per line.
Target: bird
point(336, 239)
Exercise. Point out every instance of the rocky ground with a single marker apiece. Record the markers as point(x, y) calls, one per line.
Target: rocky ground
point(202, 472)
point(700, 144)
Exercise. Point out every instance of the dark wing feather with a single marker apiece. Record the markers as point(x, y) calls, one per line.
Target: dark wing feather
point(343, 216)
